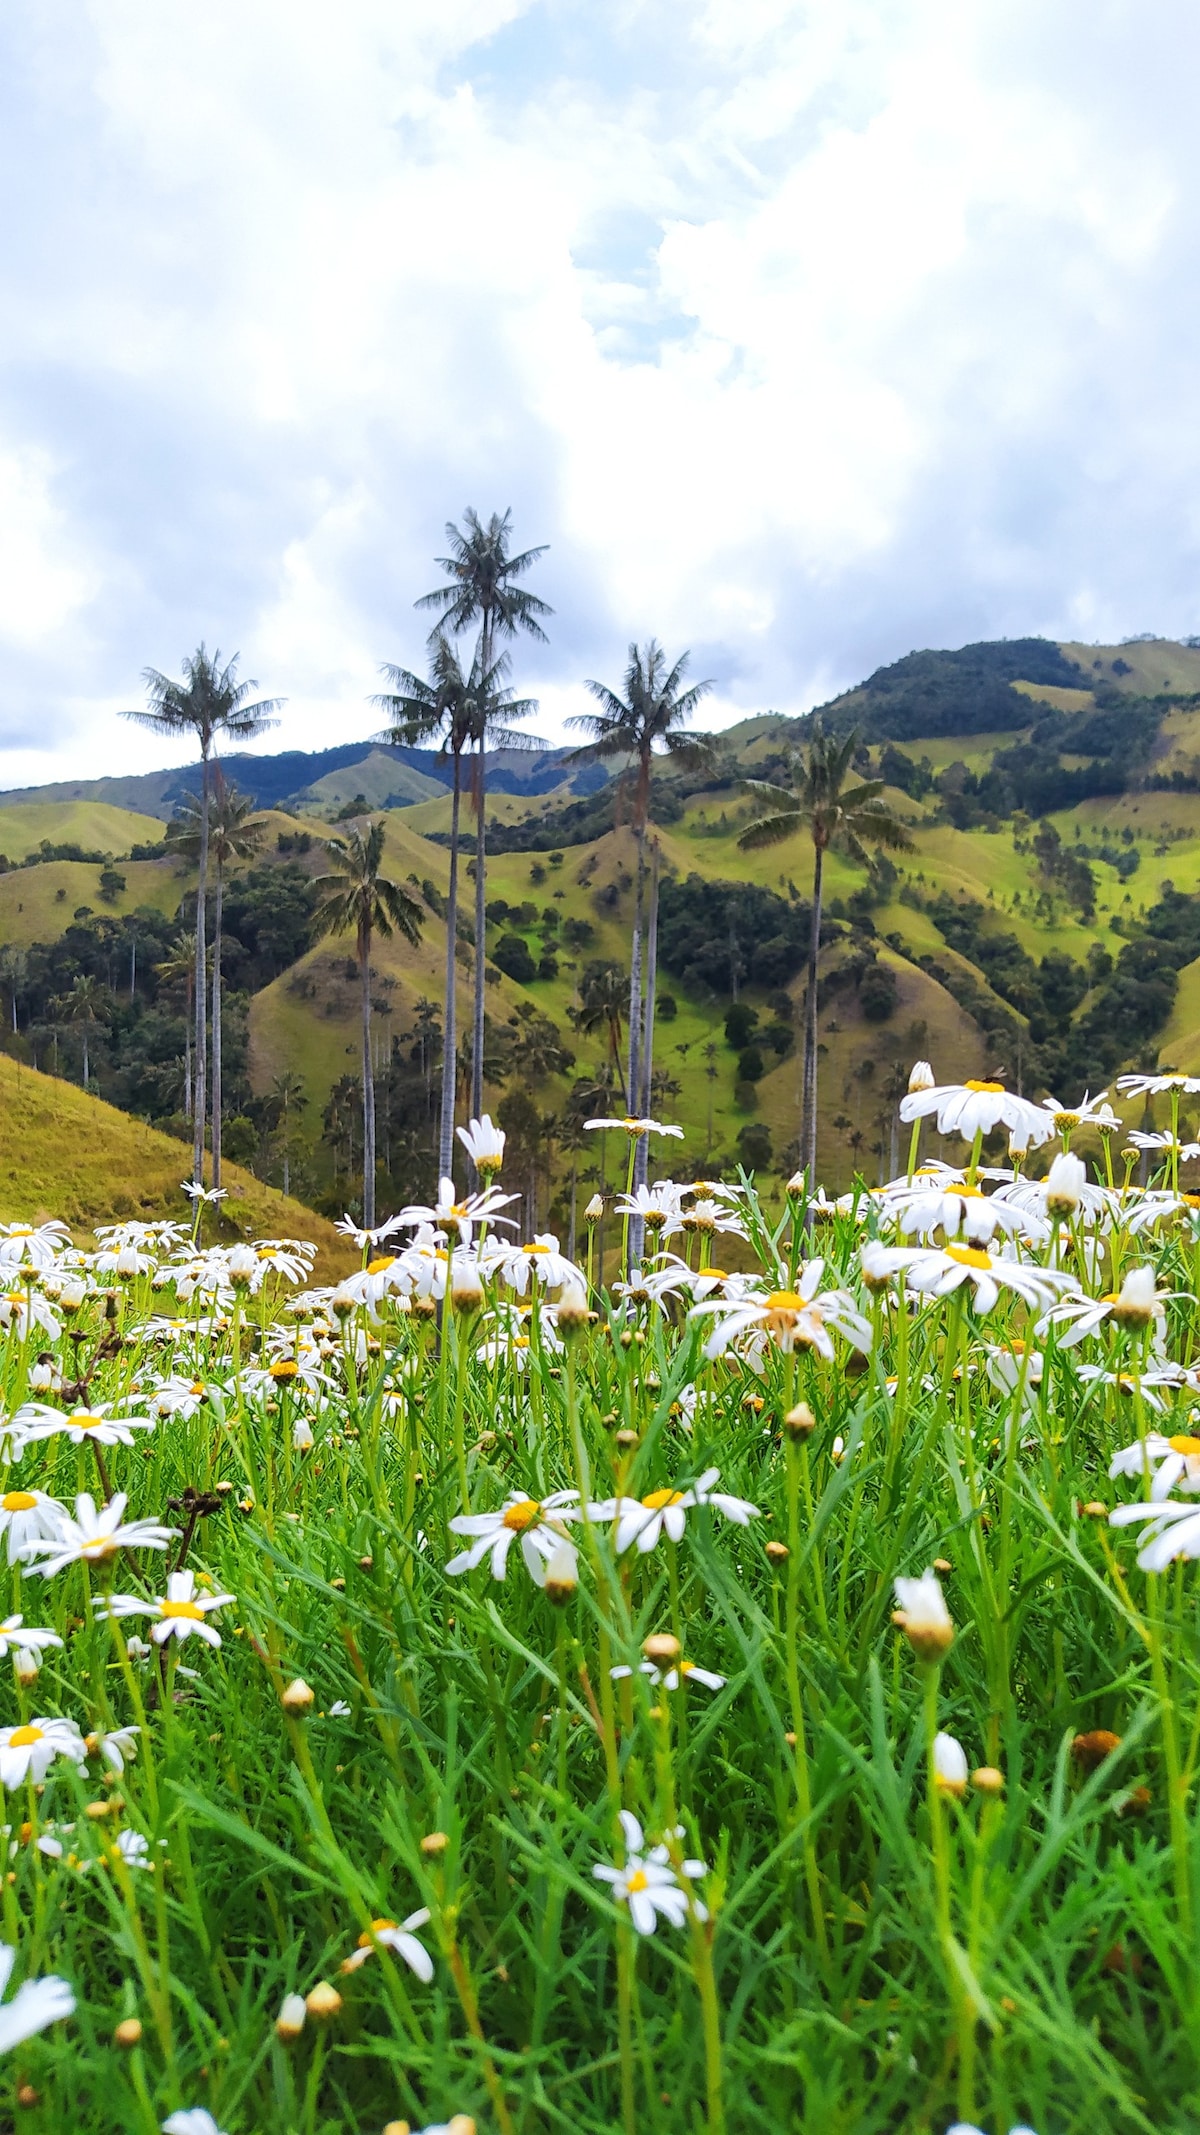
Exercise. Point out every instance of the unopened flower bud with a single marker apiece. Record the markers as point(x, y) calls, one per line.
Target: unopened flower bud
point(571, 1314)
point(987, 1780)
point(921, 1077)
point(778, 1552)
point(662, 1647)
point(562, 1572)
point(290, 2021)
point(27, 1663)
point(1064, 1185)
point(298, 1697)
point(343, 1302)
point(302, 1437)
point(800, 1422)
point(242, 1265)
point(128, 2033)
point(322, 2002)
point(433, 1844)
point(594, 1210)
point(949, 1765)
point(923, 1617)
point(1134, 1307)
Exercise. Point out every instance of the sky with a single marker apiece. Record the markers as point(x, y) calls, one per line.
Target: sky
point(803, 334)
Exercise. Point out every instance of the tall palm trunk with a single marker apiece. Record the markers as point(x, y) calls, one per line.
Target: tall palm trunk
point(642, 1102)
point(368, 1083)
point(86, 1077)
point(480, 934)
point(200, 984)
point(633, 1080)
point(218, 903)
point(809, 1112)
point(187, 1053)
point(450, 1043)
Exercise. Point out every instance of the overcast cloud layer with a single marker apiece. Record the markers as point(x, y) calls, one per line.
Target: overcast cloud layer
point(804, 334)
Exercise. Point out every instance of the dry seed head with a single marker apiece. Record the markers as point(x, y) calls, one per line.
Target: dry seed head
point(800, 1422)
point(323, 2002)
point(661, 1646)
point(298, 1697)
point(1092, 1748)
point(128, 2033)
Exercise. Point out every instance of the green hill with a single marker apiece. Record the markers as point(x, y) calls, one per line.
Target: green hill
point(64, 1153)
point(1047, 925)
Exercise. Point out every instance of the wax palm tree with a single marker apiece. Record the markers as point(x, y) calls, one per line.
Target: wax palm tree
point(646, 721)
point(484, 589)
point(357, 898)
point(458, 706)
point(834, 813)
point(177, 971)
point(287, 1095)
point(84, 1008)
point(603, 1004)
point(14, 976)
point(233, 833)
point(209, 704)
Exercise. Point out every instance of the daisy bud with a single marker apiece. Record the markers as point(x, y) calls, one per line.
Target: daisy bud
point(797, 1183)
point(128, 2033)
point(1094, 1510)
point(433, 1844)
point(467, 1295)
point(342, 1302)
point(290, 2021)
point(28, 2097)
point(1134, 1307)
point(594, 1210)
point(297, 1698)
point(1105, 1120)
point(987, 1780)
point(72, 1296)
point(920, 1078)
point(800, 1421)
point(242, 1265)
point(949, 1766)
point(562, 1573)
point(27, 1663)
point(778, 1552)
point(662, 1647)
point(572, 1315)
point(1065, 1182)
point(923, 1616)
point(41, 1376)
point(322, 2002)
point(302, 1437)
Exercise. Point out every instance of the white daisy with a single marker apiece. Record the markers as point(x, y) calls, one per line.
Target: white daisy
point(1170, 1461)
point(645, 1520)
point(28, 1751)
point(183, 1611)
point(28, 1516)
point(36, 2003)
point(1171, 1530)
point(538, 1523)
point(648, 1882)
point(399, 1937)
point(971, 1108)
point(93, 1537)
point(96, 1426)
point(16, 1635)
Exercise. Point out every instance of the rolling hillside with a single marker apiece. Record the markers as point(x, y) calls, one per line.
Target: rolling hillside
point(1053, 797)
point(66, 1154)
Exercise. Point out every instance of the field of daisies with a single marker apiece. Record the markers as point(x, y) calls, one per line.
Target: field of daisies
point(757, 1691)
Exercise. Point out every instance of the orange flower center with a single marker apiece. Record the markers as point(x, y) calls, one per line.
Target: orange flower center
point(522, 1515)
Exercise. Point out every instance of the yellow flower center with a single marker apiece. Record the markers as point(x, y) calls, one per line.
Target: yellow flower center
point(1190, 1200)
point(785, 1301)
point(23, 1738)
point(102, 1546)
point(522, 1515)
point(637, 1881)
point(187, 1609)
point(381, 1265)
point(18, 1501)
point(686, 1667)
point(968, 1256)
point(285, 1369)
point(85, 1420)
point(21, 1230)
point(1186, 1445)
point(992, 1089)
point(378, 1927)
point(535, 1249)
point(659, 1498)
point(715, 1274)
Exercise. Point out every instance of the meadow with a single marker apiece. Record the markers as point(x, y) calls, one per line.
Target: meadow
point(761, 1693)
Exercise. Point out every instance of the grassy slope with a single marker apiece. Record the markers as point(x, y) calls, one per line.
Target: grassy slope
point(62, 1153)
point(37, 903)
point(95, 825)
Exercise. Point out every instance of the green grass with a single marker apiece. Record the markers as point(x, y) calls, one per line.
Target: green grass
point(875, 1956)
point(65, 1153)
point(95, 825)
point(38, 903)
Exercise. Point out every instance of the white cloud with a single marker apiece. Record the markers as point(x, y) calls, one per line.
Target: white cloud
point(803, 334)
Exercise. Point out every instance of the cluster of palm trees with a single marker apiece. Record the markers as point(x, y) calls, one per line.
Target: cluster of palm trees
point(468, 707)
